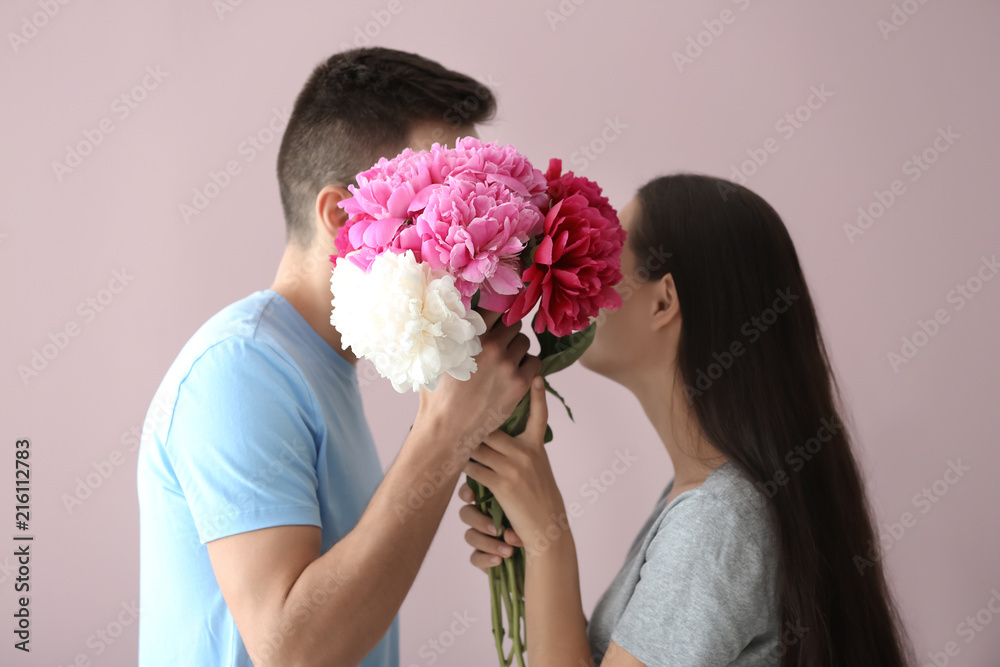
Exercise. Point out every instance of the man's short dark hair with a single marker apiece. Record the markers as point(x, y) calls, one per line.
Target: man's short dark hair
point(360, 105)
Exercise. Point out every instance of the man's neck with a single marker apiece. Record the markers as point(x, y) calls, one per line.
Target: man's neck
point(303, 278)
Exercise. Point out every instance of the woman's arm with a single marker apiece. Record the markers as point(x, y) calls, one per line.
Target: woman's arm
point(553, 610)
point(518, 472)
point(556, 625)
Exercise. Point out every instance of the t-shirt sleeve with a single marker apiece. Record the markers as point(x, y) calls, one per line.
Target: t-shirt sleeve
point(242, 441)
point(702, 594)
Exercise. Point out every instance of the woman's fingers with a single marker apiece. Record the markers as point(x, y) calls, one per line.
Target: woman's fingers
point(474, 518)
point(489, 550)
point(481, 474)
point(484, 561)
point(512, 538)
point(466, 493)
point(501, 442)
point(488, 456)
point(487, 544)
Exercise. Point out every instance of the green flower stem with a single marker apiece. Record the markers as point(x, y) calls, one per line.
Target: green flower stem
point(509, 606)
point(520, 565)
point(497, 618)
point(516, 612)
point(497, 576)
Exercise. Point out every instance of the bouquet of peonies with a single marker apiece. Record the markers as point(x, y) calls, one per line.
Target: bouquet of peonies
point(432, 235)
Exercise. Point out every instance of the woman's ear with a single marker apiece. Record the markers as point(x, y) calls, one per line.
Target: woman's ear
point(666, 306)
point(330, 217)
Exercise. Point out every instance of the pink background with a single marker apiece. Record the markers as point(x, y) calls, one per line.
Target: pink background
point(559, 84)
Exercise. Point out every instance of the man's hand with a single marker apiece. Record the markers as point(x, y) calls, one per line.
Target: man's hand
point(458, 409)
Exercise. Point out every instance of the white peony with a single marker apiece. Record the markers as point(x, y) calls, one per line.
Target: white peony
point(408, 319)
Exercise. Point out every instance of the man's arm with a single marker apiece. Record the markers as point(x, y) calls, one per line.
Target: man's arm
point(294, 606)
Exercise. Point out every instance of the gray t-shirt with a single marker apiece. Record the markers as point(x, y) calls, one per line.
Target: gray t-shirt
point(698, 587)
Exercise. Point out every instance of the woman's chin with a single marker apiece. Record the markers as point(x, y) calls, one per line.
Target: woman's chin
point(590, 361)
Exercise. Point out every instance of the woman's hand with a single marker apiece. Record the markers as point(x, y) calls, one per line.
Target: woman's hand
point(489, 549)
point(517, 471)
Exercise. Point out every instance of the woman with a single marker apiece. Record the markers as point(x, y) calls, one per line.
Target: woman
point(758, 551)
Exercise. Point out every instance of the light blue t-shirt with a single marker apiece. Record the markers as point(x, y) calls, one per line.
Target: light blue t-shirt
point(257, 423)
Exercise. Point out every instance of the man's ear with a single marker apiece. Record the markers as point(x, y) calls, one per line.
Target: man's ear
point(666, 306)
point(330, 217)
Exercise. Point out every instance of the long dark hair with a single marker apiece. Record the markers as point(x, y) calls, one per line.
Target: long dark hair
point(757, 375)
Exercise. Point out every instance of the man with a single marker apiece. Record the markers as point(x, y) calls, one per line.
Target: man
point(267, 531)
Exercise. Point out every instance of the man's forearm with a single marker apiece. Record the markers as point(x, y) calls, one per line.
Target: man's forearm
point(344, 601)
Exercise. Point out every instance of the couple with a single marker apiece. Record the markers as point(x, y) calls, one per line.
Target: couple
point(270, 536)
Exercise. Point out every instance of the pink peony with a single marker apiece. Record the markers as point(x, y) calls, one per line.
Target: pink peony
point(469, 209)
point(491, 163)
point(387, 197)
point(576, 265)
point(476, 231)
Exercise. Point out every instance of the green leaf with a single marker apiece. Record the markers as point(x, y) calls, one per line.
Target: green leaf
point(548, 435)
point(556, 394)
point(559, 352)
point(518, 418)
point(475, 300)
point(497, 513)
